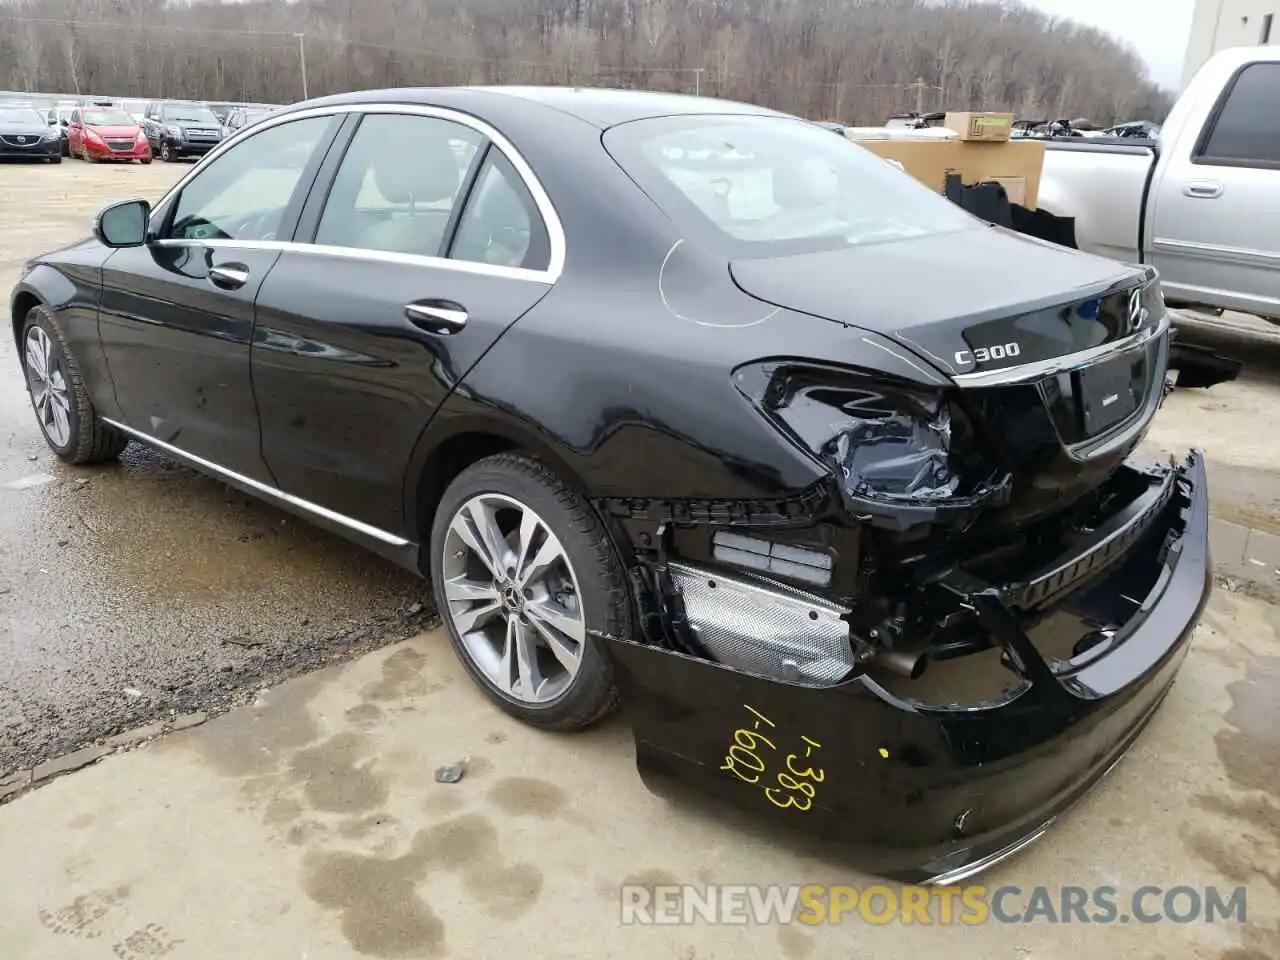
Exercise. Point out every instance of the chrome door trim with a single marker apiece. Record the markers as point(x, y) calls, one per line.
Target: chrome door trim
point(1245, 256)
point(547, 210)
point(1071, 361)
point(372, 256)
point(264, 489)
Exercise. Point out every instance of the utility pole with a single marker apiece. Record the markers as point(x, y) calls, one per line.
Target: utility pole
point(697, 81)
point(302, 60)
point(919, 86)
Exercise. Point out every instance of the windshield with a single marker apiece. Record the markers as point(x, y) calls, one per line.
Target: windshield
point(20, 115)
point(191, 115)
point(765, 182)
point(108, 118)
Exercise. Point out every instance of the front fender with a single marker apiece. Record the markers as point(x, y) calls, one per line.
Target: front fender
point(71, 288)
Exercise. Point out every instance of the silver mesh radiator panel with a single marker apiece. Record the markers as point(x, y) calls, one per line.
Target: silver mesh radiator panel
point(766, 628)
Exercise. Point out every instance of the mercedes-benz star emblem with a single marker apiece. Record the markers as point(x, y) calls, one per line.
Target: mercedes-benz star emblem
point(1135, 310)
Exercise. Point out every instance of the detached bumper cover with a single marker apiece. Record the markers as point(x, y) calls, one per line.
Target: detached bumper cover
point(940, 793)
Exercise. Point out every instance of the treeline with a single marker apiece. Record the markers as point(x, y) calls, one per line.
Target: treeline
point(854, 61)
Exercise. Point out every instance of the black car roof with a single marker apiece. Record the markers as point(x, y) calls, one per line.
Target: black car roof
point(600, 107)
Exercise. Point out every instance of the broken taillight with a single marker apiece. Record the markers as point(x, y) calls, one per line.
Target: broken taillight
point(888, 442)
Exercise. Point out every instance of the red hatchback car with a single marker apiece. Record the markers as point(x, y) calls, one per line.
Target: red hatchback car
point(105, 133)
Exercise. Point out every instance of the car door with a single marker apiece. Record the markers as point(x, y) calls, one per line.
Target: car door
point(1212, 231)
point(74, 133)
point(153, 126)
point(364, 331)
point(176, 315)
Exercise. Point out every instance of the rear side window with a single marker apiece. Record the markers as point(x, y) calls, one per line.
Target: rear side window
point(398, 183)
point(501, 225)
point(1245, 131)
point(771, 185)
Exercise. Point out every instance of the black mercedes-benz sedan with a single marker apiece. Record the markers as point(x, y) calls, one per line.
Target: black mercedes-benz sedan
point(25, 134)
point(681, 403)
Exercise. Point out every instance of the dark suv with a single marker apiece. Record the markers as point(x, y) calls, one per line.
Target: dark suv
point(177, 130)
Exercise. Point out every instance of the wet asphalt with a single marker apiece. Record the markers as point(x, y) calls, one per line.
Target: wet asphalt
point(135, 590)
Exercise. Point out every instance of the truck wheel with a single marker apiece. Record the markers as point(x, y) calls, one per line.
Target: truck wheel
point(526, 579)
point(166, 153)
point(71, 427)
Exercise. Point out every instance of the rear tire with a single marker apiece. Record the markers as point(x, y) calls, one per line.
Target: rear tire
point(529, 633)
point(70, 425)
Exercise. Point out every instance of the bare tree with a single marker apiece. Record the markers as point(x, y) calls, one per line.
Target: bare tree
point(850, 60)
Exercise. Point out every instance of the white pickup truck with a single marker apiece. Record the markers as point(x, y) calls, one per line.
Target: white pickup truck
point(1201, 204)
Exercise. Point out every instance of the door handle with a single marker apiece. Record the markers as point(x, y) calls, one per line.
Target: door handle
point(436, 316)
point(229, 276)
point(1203, 189)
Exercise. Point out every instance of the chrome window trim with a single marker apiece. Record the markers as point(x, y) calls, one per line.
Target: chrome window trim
point(374, 256)
point(1072, 361)
point(546, 209)
point(266, 490)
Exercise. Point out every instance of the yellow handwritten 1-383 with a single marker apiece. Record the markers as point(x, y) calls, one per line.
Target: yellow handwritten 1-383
point(791, 789)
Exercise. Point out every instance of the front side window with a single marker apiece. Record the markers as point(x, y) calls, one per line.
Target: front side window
point(1245, 132)
point(243, 193)
point(397, 185)
point(501, 224)
point(770, 185)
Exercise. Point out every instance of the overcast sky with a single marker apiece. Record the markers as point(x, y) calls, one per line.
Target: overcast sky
point(1157, 29)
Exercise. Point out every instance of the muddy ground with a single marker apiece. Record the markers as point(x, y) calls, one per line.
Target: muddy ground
point(135, 591)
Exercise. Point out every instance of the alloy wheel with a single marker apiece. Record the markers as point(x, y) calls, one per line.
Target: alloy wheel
point(47, 382)
point(513, 598)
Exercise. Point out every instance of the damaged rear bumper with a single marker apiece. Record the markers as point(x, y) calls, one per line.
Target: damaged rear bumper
point(938, 793)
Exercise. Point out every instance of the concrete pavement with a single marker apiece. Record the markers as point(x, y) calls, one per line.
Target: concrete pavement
point(309, 825)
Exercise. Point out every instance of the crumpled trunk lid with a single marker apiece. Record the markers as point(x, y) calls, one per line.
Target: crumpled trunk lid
point(997, 312)
point(941, 296)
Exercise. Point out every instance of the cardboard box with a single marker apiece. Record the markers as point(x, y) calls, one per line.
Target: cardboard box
point(986, 127)
point(1014, 163)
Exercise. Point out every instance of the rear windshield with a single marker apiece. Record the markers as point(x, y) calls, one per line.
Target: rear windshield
point(771, 185)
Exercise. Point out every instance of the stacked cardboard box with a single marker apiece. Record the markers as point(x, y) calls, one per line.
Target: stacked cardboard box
point(974, 145)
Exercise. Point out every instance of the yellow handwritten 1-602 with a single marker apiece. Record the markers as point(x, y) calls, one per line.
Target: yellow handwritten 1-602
point(790, 789)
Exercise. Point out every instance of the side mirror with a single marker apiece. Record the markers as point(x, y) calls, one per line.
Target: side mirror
point(123, 224)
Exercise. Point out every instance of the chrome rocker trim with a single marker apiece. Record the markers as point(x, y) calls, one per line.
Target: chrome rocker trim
point(266, 490)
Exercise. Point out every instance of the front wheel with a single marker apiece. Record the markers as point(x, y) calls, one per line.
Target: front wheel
point(526, 582)
point(57, 159)
point(167, 154)
point(68, 421)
